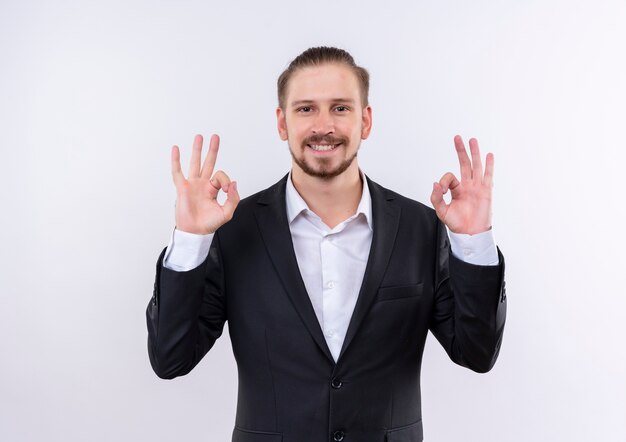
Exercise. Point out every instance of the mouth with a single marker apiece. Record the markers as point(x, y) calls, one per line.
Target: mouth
point(323, 147)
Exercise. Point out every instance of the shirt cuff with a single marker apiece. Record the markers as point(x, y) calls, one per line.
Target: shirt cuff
point(479, 249)
point(186, 251)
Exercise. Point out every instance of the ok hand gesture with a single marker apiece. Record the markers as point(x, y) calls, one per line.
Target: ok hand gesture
point(197, 209)
point(469, 210)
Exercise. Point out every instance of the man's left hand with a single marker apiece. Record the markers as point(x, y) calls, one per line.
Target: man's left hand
point(469, 210)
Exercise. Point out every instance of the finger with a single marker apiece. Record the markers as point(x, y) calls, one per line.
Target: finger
point(477, 164)
point(177, 173)
point(448, 181)
point(436, 198)
point(464, 161)
point(220, 181)
point(211, 157)
point(232, 199)
point(196, 154)
point(488, 179)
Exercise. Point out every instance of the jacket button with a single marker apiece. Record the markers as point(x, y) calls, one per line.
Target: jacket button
point(336, 383)
point(338, 436)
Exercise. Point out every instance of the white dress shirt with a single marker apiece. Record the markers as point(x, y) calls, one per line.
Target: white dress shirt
point(331, 261)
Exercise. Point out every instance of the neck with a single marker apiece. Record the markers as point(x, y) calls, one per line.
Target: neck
point(333, 200)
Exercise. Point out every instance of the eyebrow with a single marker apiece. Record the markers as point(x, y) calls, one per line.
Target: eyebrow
point(334, 100)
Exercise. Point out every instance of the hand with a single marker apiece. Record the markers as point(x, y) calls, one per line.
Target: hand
point(469, 210)
point(197, 209)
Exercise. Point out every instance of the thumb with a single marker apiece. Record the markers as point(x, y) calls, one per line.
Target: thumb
point(232, 199)
point(436, 198)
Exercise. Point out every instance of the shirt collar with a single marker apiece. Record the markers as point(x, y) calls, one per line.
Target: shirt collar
point(296, 205)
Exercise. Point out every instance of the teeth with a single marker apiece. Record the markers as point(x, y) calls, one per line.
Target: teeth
point(322, 147)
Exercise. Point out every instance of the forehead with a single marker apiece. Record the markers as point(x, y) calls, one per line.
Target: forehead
point(321, 83)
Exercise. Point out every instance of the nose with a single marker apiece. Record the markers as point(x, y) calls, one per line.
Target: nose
point(323, 123)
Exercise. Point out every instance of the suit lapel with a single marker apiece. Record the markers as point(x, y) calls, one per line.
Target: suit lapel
point(386, 217)
point(271, 215)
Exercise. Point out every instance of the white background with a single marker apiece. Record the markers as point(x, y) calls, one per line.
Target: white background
point(93, 95)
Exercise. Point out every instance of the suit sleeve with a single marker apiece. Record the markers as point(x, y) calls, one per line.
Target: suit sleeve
point(469, 308)
point(186, 314)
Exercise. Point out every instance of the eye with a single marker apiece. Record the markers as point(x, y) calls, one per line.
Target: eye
point(304, 109)
point(342, 108)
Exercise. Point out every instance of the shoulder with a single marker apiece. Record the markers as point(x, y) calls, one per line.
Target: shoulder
point(408, 205)
point(245, 216)
point(417, 224)
point(269, 195)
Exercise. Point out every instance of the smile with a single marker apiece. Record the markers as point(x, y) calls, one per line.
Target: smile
point(323, 147)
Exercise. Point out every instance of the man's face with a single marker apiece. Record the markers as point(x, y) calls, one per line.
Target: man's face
point(324, 120)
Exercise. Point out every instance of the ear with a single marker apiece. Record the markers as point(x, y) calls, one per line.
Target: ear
point(281, 123)
point(366, 122)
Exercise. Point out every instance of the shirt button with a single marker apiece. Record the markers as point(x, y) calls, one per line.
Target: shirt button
point(338, 436)
point(330, 333)
point(330, 285)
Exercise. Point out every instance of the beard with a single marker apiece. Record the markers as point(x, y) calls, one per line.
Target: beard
point(323, 169)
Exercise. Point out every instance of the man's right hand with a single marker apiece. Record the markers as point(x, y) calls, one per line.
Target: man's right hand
point(197, 209)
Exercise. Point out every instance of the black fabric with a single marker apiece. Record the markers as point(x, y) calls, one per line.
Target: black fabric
point(290, 388)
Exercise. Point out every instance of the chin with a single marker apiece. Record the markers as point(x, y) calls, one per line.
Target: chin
point(326, 173)
point(317, 166)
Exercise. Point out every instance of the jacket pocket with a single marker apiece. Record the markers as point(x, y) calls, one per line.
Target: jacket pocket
point(407, 433)
point(399, 291)
point(240, 435)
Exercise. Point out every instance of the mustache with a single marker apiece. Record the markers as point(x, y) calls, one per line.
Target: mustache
point(326, 139)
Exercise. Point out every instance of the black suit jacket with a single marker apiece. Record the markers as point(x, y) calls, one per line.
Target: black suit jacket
point(290, 388)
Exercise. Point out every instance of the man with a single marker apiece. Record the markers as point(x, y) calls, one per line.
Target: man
point(329, 281)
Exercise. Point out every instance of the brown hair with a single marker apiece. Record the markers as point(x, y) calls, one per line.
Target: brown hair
point(319, 56)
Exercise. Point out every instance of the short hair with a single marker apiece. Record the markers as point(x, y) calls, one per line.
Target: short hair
point(318, 56)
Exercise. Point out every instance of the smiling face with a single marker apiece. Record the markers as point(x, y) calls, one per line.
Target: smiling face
point(323, 120)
